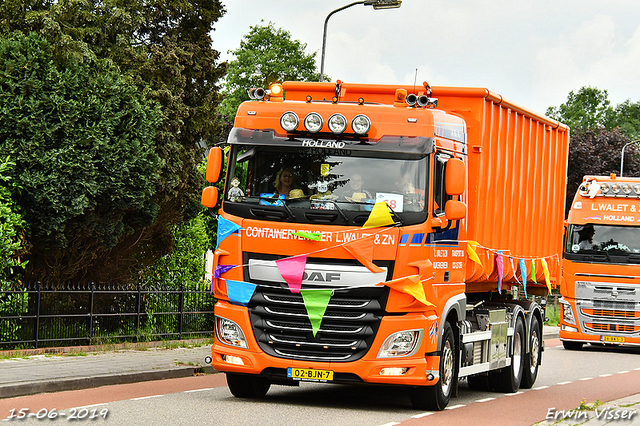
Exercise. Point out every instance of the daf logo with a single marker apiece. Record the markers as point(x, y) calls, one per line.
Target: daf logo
point(321, 276)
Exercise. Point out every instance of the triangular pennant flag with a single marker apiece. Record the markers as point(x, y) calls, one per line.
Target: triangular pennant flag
point(410, 285)
point(240, 292)
point(225, 228)
point(471, 251)
point(515, 271)
point(379, 216)
point(533, 271)
point(292, 270)
point(523, 271)
point(545, 269)
point(500, 268)
point(362, 250)
point(315, 236)
point(316, 302)
point(220, 269)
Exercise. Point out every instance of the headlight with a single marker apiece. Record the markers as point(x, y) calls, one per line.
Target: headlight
point(337, 123)
point(230, 333)
point(402, 343)
point(567, 312)
point(289, 121)
point(615, 188)
point(313, 122)
point(361, 124)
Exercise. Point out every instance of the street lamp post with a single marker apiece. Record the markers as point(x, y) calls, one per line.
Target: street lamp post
point(622, 156)
point(377, 4)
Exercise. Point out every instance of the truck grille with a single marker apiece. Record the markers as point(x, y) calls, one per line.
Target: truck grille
point(618, 328)
point(282, 327)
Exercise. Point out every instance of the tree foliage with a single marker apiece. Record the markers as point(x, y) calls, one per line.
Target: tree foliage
point(162, 51)
point(11, 226)
point(589, 108)
point(266, 55)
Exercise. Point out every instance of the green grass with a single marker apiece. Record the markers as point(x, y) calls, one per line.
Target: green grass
point(553, 313)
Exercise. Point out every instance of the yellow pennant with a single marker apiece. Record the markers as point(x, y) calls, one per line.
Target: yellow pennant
point(379, 216)
point(545, 269)
point(471, 251)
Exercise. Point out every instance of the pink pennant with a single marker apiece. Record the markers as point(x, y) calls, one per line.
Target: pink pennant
point(292, 269)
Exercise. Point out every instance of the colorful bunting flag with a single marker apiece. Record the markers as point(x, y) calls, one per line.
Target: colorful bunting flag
point(240, 292)
point(225, 228)
point(533, 271)
point(410, 285)
point(379, 216)
point(315, 236)
point(500, 268)
point(362, 250)
point(545, 269)
point(471, 251)
point(292, 270)
point(220, 269)
point(523, 271)
point(316, 302)
point(515, 271)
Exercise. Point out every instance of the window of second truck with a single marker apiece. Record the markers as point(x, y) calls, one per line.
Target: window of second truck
point(615, 241)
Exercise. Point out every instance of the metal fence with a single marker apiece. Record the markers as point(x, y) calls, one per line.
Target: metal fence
point(40, 314)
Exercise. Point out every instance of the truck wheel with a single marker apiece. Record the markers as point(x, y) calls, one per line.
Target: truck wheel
point(242, 386)
point(508, 379)
point(533, 358)
point(572, 346)
point(479, 382)
point(436, 398)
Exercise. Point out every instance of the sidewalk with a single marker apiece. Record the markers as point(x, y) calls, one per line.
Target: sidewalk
point(71, 371)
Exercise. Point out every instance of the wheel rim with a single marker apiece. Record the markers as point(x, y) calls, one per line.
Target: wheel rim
point(535, 351)
point(517, 355)
point(447, 368)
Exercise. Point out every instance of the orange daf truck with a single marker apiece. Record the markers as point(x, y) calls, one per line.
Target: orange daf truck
point(378, 234)
point(601, 265)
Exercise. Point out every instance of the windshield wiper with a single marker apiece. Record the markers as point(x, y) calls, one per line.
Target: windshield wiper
point(338, 209)
point(277, 202)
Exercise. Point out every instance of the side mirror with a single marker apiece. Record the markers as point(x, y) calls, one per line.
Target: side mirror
point(210, 197)
point(455, 177)
point(455, 210)
point(214, 165)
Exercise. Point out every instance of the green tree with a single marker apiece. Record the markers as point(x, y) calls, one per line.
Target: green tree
point(83, 140)
point(165, 50)
point(11, 226)
point(627, 119)
point(589, 108)
point(266, 55)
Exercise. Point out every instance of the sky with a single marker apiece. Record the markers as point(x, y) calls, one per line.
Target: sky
point(531, 52)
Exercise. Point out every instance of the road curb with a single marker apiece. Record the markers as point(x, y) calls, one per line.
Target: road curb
point(58, 385)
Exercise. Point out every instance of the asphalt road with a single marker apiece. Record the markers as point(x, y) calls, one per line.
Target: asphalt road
point(565, 378)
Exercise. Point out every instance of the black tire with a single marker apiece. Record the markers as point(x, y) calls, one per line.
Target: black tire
point(479, 382)
point(533, 358)
point(436, 398)
point(572, 346)
point(242, 386)
point(508, 379)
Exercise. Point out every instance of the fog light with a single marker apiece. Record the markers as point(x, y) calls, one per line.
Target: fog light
point(230, 359)
point(569, 328)
point(313, 122)
point(337, 123)
point(361, 124)
point(394, 371)
point(289, 121)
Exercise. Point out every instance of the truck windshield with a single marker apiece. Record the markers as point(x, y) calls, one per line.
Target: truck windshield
point(345, 182)
point(617, 243)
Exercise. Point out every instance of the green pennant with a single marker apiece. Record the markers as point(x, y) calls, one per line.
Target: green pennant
point(315, 236)
point(316, 302)
point(533, 271)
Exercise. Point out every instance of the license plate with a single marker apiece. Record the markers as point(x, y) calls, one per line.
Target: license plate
point(612, 339)
point(308, 374)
